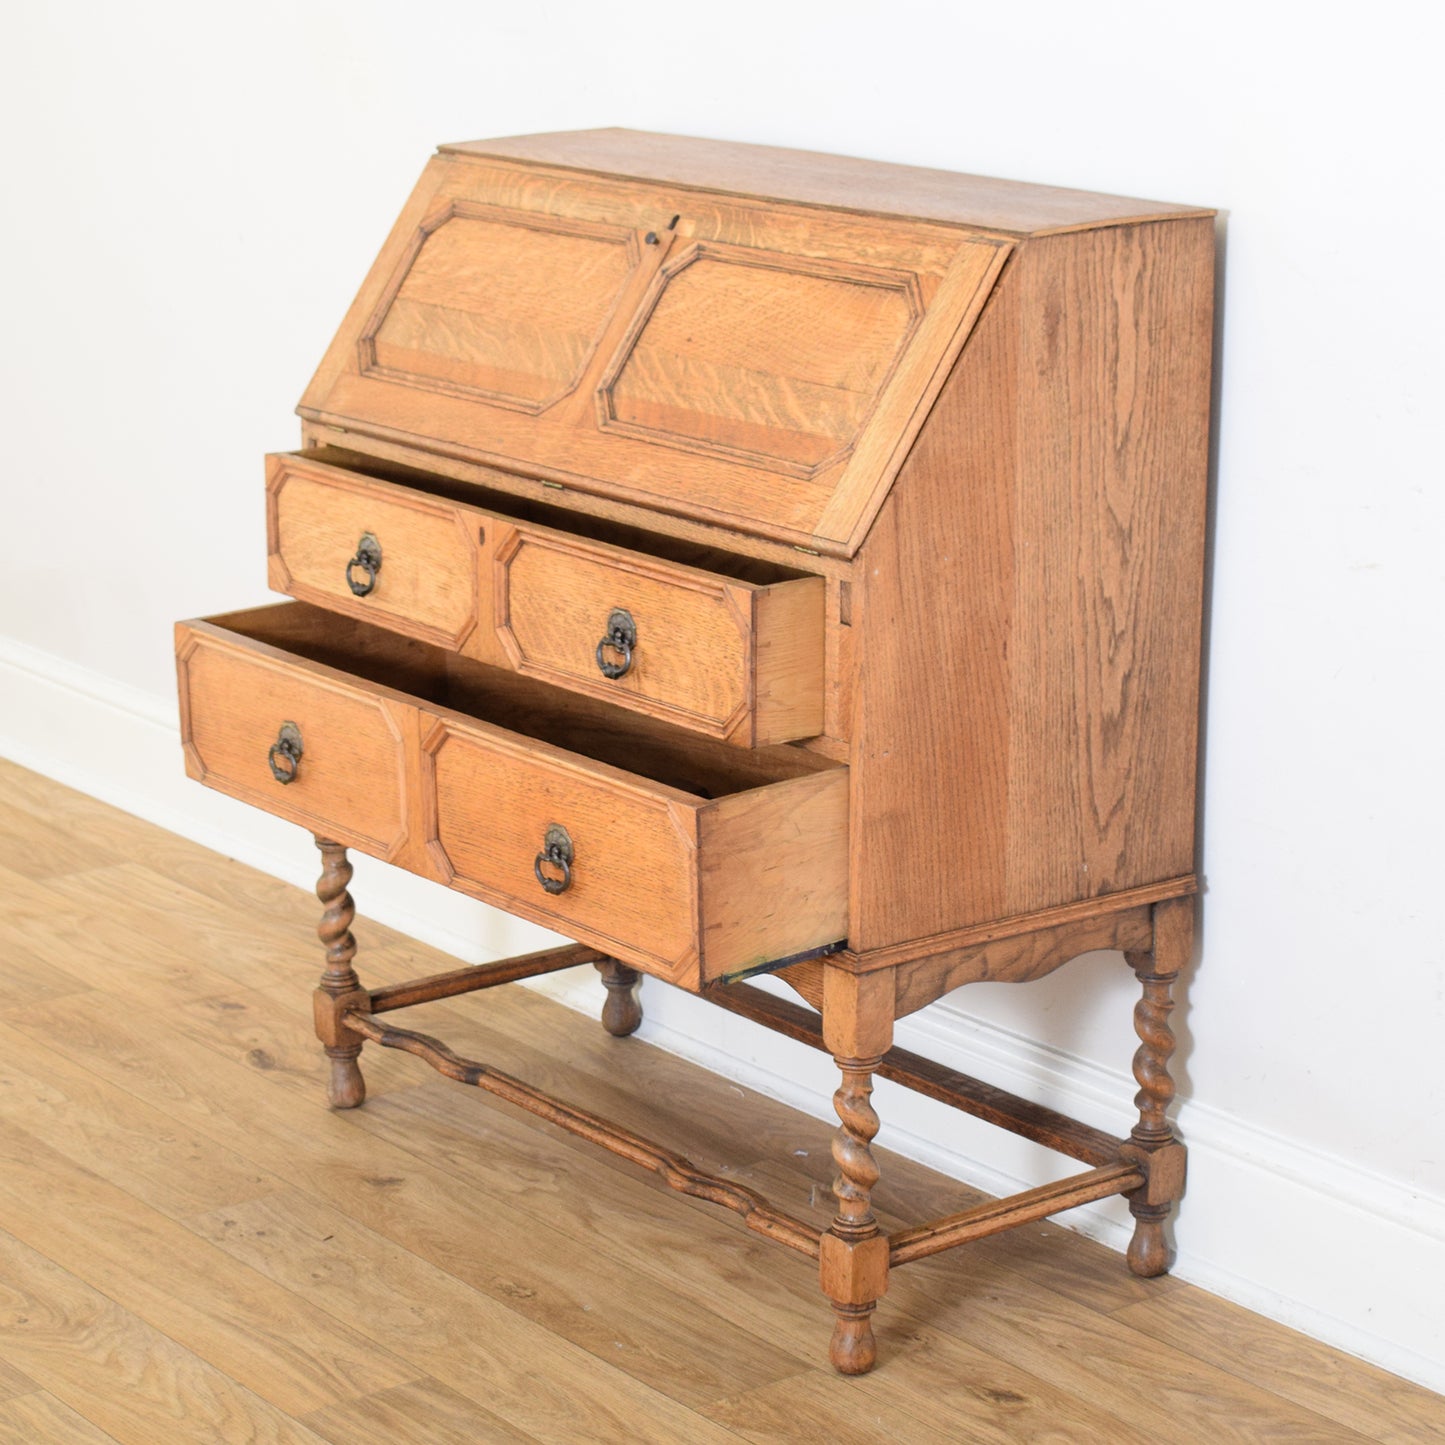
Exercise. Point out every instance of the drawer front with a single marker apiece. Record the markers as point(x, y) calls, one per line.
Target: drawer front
point(739, 660)
point(685, 886)
point(339, 768)
point(762, 366)
point(630, 881)
point(402, 560)
point(688, 656)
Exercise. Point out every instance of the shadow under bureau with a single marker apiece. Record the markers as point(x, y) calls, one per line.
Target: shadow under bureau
point(736, 559)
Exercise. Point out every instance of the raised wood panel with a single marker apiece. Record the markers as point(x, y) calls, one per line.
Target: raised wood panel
point(1032, 743)
point(851, 371)
point(502, 306)
point(426, 585)
point(753, 355)
point(350, 781)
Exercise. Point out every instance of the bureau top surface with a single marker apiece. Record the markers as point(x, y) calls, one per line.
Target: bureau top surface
point(743, 336)
point(835, 182)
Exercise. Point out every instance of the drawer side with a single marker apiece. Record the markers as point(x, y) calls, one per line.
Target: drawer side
point(774, 873)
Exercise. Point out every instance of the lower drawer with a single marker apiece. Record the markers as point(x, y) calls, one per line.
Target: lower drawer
point(682, 856)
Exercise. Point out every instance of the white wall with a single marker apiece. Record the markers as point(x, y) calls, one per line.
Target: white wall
point(192, 194)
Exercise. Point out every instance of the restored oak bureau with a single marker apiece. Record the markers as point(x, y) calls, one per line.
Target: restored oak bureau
point(738, 559)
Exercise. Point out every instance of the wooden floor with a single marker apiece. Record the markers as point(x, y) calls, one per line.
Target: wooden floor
point(193, 1248)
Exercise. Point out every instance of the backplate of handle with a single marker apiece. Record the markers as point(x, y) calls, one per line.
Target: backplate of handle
point(362, 569)
point(556, 854)
point(620, 639)
point(285, 753)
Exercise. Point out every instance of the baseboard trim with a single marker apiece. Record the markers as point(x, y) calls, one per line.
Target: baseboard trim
point(1253, 1195)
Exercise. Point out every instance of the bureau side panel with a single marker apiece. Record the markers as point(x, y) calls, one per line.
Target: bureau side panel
point(1027, 690)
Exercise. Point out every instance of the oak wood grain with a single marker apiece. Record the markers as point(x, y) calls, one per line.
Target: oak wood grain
point(422, 1412)
point(1039, 732)
point(737, 874)
point(349, 779)
point(773, 342)
point(542, 1385)
point(13, 1383)
point(259, 1334)
point(126, 1377)
point(842, 182)
point(1353, 1394)
point(740, 657)
point(40, 1416)
point(426, 585)
point(629, 523)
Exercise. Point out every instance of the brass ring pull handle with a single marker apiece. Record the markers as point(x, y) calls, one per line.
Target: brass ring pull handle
point(556, 853)
point(285, 754)
point(621, 638)
point(368, 560)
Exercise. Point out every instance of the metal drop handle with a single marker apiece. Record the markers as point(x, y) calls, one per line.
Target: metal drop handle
point(367, 560)
point(285, 753)
point(556, 853)
point(621, 638)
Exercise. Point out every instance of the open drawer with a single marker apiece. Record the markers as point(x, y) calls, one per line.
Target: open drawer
point(679, 855)
point(726, 646)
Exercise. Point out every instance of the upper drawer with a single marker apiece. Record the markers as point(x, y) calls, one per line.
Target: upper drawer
point(738, 658)
point(759, 365)
point(681, 856)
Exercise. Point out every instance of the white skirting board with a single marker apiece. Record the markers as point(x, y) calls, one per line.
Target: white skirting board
point(1299, 1235)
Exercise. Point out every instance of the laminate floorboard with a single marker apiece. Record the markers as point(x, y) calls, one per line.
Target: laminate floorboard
point(192, 1247)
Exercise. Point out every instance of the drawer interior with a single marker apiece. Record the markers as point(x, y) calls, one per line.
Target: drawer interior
point(581, 524)
point(594, 729)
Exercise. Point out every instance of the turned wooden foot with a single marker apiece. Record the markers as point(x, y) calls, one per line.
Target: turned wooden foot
point(345, 1088)
point(339, 989)
point(853, 1350)
point(621, 1009)
point(1152, 1140)
point(1150, 1252)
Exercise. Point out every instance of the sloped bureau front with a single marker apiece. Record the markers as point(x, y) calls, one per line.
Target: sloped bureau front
point(759, 365)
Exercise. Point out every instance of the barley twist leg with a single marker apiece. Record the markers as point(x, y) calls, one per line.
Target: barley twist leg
point(859, 1240)
point(1153, 1138)
point(339, 987)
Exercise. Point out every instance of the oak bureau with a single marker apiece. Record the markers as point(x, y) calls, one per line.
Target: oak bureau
point(739, 559)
